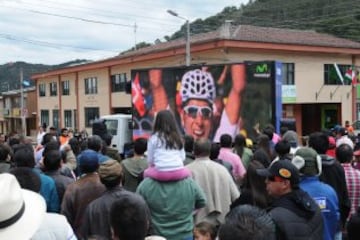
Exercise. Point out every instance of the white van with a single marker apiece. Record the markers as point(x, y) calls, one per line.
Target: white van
point(120, 127)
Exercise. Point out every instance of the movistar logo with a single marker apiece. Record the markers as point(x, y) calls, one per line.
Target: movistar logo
point(261, 68)
point(262, 71)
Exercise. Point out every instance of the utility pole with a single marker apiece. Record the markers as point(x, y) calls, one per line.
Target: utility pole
point(22, 112)
point(135, 27)
point(187, 45)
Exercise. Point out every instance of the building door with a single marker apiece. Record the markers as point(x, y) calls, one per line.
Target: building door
point(330, 116)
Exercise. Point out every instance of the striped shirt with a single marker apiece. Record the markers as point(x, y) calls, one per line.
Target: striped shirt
point(352, 176)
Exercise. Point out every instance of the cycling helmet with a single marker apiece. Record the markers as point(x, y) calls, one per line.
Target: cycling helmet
point(197, 84)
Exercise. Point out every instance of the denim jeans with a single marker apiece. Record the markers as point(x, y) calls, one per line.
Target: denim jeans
point(338, 236)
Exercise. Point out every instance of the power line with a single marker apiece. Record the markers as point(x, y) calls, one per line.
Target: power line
point(115, 14)
point(50, 44)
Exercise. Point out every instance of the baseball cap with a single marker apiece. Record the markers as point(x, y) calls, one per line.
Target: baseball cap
point(307, 161)
point(283, 169)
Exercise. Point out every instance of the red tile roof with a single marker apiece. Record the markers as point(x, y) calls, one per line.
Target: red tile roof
point(240, 33)
point(290, 36)
point(250, 33)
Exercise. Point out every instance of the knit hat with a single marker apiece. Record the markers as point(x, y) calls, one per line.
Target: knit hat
point(89, 159)
point(110, 170)
point(307, 161)
point(283, 169)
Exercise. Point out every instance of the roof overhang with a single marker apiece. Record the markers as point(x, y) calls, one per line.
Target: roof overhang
point(205, 45)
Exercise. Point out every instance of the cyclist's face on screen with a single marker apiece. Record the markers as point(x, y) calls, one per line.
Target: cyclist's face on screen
point(197, 118)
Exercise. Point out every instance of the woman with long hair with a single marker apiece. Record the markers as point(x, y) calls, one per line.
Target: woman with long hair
point(165, 150)
point(253, 191)
point(241, 150)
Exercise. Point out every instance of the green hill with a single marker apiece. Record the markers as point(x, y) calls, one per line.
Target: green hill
point(10, 72)
point(340, 18)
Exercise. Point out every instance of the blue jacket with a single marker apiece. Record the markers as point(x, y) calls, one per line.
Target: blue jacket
point(49, 192)
point(328, 202)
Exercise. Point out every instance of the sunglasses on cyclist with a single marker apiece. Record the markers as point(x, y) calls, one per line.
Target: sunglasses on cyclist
point(194, 111)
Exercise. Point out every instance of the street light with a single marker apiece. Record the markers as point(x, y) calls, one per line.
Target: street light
point(188, 57)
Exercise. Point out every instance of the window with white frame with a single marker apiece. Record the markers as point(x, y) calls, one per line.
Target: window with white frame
point(91, 85)
point(118, 82)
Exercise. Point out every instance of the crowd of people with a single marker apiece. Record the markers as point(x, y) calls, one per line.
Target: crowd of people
point(179, 187)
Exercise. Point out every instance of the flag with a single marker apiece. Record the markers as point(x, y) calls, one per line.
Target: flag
point(137, 97)
point(350, 76)
point(339, 73)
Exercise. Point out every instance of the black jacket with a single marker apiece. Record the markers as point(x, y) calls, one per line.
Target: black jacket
point(297, 217)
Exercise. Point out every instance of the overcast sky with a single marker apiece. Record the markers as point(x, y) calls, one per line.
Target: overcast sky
point(54, 31)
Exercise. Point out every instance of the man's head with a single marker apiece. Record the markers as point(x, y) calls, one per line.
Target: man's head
point(247, 222)
point(188, 143)
point(5, 152)
point(282, 148)
point(88, 161)
point(307, 161)
point(2, 138)
point(204, 230)
point(198, 93)
point(292, 137)
point(226, 141)
point(202, 147)
point(129, 218)
point(27, 178)
point(24, 156)
point(342, 131)
point(94, 142)
point(43, 127)
point(64, 132)
point(344, 153)
point(53, 131)
point(110, 173)
point(52, 145)
point(214, 151)
point(319, 141)
point(347, 123)
point(281, 177)
point(48, 137)
point(52, 160)
point(268, 131)
point(140, 146)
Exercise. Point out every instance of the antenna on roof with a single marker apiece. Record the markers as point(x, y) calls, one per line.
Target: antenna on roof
point(135, 27)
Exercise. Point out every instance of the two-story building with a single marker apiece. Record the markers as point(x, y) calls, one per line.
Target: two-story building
point(312, 95)
point(18, 115)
